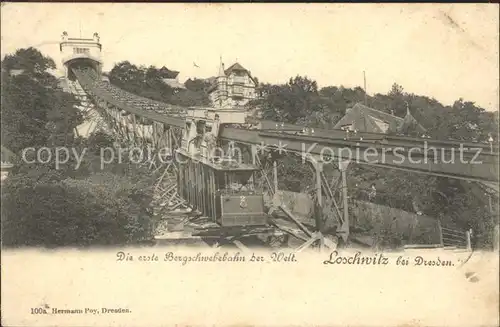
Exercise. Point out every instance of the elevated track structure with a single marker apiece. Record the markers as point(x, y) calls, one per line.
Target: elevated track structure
point(191, 132)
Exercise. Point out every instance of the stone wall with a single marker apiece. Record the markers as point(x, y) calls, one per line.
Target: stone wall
point(370, 217)
point(377, 218)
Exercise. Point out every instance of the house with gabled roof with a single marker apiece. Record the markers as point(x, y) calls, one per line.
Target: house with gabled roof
point(164, 72)
point(233, 87)
point(173, 83)
point(365, 119)
point(171, 78)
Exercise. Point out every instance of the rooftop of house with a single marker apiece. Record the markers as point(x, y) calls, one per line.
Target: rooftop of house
point(167, 73)
point(410, 123)
point(363, 118)
point(173, 83)
point(235, 67)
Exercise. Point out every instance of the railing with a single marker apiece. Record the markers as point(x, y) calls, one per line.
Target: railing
point(239, 80)
point(88, 76)
point(455, 238)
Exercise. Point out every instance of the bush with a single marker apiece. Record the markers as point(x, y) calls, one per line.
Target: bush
point(99, 140)
point(103, 209)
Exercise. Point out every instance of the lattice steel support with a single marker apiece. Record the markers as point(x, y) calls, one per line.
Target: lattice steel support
point(328, 198)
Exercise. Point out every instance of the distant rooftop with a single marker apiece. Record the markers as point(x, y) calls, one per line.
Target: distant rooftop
point(173, 83)
point(366, 119)
point(167, 73)
point(235, 66)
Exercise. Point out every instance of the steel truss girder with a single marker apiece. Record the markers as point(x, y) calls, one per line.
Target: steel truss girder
point(162, 139)
point(336, 141)
point(413, 160)
point(314, 145)
point(129, 105)
point(310, 237)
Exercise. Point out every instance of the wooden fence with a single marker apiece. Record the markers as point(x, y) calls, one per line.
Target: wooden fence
point(455, 238)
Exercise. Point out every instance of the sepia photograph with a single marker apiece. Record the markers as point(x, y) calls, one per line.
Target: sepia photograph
point(170, 164)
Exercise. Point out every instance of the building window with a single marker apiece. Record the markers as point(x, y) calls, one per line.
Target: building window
point(80, 50)
point(239, 80)
point(238, 90)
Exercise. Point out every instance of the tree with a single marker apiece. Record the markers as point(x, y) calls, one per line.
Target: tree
point(189, 98)
point(87, 206)
point(31, 101)
point(398, 103)
point(100, 210)
point(196, 85)
point(289, 102)
point(46, 206)
point(148, 82)
point(30, 60)
point(465, 122)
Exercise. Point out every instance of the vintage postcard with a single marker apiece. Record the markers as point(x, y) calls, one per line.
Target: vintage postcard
point(170, 164)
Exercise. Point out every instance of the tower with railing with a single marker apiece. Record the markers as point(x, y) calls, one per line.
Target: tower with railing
point(80, 51)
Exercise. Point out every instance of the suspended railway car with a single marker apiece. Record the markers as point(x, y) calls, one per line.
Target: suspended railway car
point(218, 187)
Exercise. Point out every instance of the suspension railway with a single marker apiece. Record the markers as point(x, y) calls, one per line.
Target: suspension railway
point(222, 188)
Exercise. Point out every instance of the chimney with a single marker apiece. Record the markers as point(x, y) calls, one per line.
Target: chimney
point(221, 68)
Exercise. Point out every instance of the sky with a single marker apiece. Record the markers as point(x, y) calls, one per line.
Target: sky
point(445, 51)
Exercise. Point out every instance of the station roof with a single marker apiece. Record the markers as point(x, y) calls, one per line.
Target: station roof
point(366, 119)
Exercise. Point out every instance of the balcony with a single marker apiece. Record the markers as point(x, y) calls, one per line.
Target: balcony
point(241, 80)
point(237, 92)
